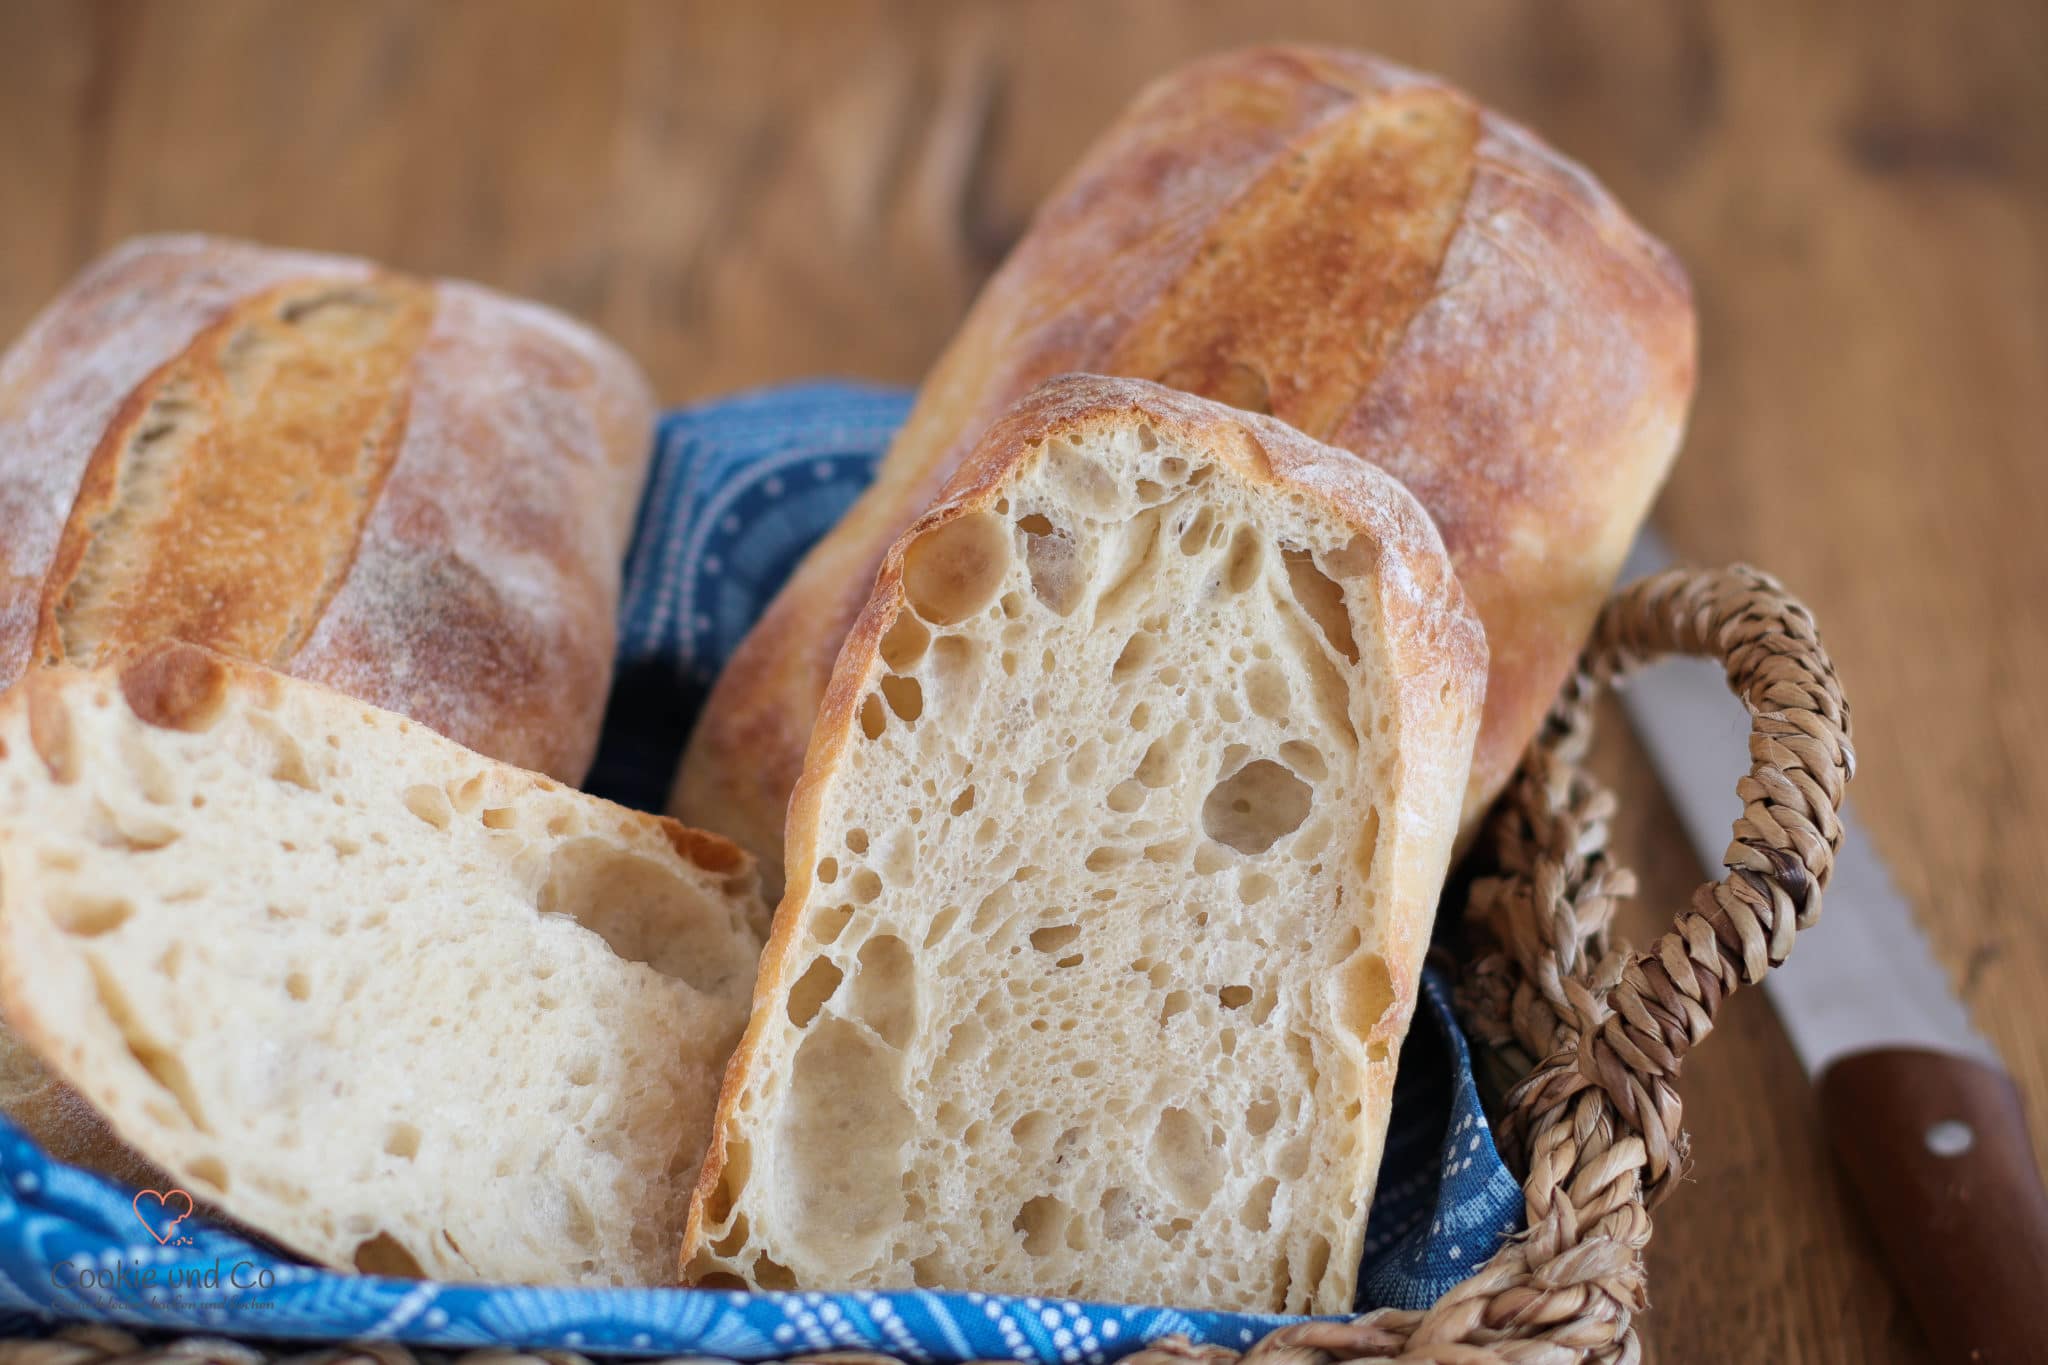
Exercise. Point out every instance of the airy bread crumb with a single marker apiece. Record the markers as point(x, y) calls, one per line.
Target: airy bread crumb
point(1109, 878)
point(397, 1006)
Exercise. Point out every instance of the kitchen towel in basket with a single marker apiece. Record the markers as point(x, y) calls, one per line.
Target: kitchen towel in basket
point(739, 489)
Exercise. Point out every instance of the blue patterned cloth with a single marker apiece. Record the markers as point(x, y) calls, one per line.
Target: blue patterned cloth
point(740, 488)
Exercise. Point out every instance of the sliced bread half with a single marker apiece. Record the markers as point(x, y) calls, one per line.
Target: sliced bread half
point(397, 1006)
point(1109, 877)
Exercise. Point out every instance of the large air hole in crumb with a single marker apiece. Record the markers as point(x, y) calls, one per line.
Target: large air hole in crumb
point(995, 907)
point(1032, 1132)
point(1054, 938)
point(732, 1181)
point(872, 720)
point(1260, 1116)
point(1125, 797)
point(1194, 536)
point(885, 989)
point(430, 804)
point(955, 569)
point(1162, 757)
point(88, 915)
point(734, 1240)
point(210, 1170)
point(1257, 1213)
point(1107, 858)
point(1044, 781)
point(841, 1141)
point(941, 925)
point(905, 642)
point(1255, 807)
point(812, 990)
point(1305, 759)
point(1083, 761)
point(1265, 688)
point(1182, 1160)
point(1323, 599)
point(1368, 841)
point(1327, 691)
point(828, 923)
point(283, 759)
point(1318, 1259)
point(386, 1255)
point(163, 1065)
point(1041, 1220)
point(1247, 554)
point(402, 1140)
point(965, 1041)
point(625, 898)
point(1136, 545)
point(1081, 480)
point(905, 698)
point(1166, 851)
point(467, 793)
point(1057, 574)
point(1368, 995)
point(772, 1275)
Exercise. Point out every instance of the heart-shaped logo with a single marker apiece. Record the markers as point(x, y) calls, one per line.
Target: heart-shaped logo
point(162, 1212)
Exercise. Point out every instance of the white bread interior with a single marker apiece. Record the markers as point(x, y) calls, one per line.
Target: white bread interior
point(1109, 879)
point(394, 1005)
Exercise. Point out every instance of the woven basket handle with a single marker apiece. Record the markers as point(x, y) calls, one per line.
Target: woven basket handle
point(1635, 1029)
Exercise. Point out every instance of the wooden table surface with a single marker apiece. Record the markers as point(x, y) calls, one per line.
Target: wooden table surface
point(748, 193)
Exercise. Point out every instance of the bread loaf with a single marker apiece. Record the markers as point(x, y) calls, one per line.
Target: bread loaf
point(398, 1007)
point(417, 492)
point(1109, 877)
point(1358, 250)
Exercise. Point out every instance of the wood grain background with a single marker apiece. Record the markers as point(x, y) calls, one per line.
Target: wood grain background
point(753, 192)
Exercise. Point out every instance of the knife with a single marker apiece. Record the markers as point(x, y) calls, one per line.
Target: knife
point(1925, 1120)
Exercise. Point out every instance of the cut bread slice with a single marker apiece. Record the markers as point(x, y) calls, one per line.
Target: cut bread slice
point(1109, 877)
point(399, 1007)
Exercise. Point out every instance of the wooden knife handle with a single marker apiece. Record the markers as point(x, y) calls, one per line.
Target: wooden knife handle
point(1936, 1146)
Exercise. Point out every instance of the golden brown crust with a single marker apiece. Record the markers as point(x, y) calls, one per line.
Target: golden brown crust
point(417, 492)
point(1363, 252)
point(1435, 643)
point(271, 433)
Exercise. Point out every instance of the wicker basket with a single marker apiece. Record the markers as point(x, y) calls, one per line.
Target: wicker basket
point(1595, 1033)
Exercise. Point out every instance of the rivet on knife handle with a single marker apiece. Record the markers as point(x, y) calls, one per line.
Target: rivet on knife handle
point(1937, 1150)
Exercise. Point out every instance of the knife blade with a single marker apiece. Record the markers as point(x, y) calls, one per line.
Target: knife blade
point(1923, 1116)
